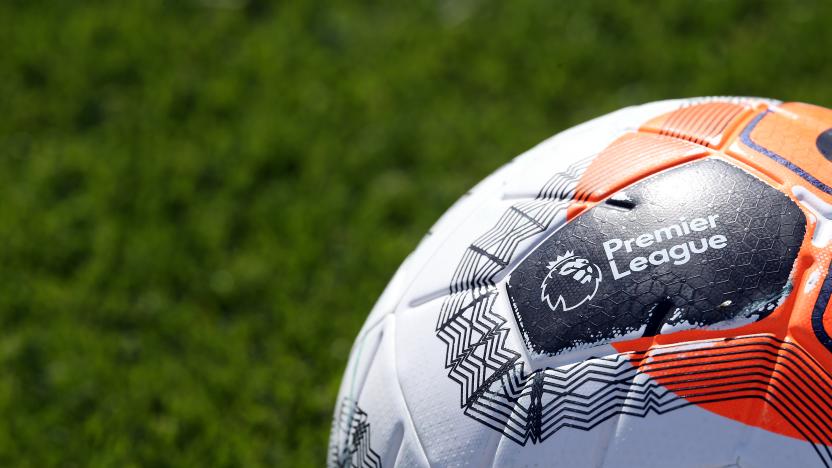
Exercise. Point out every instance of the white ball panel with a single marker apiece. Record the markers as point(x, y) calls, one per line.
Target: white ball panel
point(390, 429)
point(450, 438)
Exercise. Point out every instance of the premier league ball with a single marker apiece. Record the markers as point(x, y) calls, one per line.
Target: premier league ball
point(650, 288)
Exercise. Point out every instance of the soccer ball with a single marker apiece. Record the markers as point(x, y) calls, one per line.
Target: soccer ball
point(649, 288)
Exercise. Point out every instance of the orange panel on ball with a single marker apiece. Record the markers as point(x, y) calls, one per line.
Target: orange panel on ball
point(791, 132)
point(707, 123)
point(630, 158)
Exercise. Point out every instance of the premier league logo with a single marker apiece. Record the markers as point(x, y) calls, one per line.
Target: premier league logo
point(571, 281)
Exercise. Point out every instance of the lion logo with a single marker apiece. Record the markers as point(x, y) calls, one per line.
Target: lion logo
point(571, 281)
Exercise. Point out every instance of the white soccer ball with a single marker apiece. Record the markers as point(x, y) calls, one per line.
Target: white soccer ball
point(645, 289)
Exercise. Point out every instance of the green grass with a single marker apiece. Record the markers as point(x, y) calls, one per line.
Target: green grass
point(200, 201)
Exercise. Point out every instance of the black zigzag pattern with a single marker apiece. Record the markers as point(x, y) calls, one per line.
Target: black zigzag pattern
point(477, 358)
point(350, 439)
point(534, 406)
point(492, 252)
point(497, 391)
point(475, 341)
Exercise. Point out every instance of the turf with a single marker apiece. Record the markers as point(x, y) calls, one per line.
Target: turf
point(200, 201)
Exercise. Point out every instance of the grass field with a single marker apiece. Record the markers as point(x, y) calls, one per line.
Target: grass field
point(200, 201)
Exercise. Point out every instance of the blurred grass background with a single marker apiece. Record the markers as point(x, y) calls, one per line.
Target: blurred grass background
point(200, 201)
